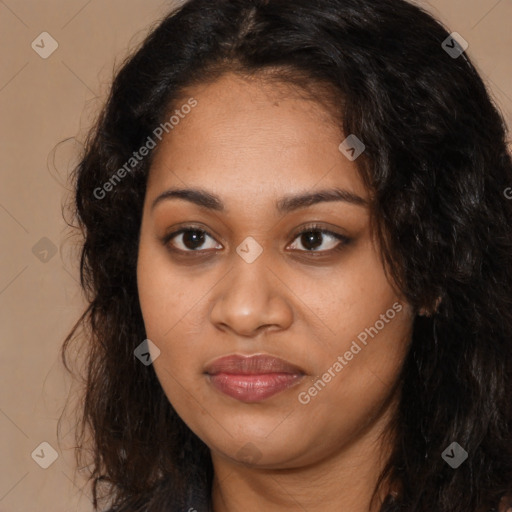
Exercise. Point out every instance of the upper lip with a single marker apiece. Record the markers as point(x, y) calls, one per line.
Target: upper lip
point(251, 365)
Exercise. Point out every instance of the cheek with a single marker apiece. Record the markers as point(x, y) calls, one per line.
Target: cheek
point(165, 296)
point(364, 361)
point(347, 299)
point(165, 319)
point(356, 383)
point(171, 301)
point(365, 331)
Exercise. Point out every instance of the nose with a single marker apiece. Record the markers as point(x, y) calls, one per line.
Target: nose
point(251, 299)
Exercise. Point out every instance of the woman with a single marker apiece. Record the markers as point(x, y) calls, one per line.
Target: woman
point(299, 261)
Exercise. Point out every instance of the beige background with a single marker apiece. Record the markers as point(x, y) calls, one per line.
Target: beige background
point(43, 102)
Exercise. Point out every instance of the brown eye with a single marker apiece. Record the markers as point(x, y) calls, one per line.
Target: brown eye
point(191, 240)
point(314, 237)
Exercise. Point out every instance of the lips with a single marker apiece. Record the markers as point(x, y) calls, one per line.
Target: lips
point(252, 365)
point(252, 378)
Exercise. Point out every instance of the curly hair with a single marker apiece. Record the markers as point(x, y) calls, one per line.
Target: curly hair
point(436, 163)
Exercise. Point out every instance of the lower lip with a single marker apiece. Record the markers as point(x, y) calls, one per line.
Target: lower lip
point(253, 388)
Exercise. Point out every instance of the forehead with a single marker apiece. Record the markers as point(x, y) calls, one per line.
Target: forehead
point(248, 139)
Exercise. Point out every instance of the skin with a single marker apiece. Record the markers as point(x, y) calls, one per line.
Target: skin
point(250, 143)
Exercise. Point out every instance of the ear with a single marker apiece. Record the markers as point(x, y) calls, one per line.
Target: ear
point(427, 312)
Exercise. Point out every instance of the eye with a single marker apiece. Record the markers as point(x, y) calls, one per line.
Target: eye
point(192, 239)
point(314, 236)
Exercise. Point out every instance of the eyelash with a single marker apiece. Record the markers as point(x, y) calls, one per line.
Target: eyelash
point(343, 240)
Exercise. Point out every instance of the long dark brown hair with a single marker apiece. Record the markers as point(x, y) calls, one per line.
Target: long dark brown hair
point(437, 164)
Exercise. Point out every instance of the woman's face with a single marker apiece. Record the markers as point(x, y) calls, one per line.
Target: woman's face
point(244, 281)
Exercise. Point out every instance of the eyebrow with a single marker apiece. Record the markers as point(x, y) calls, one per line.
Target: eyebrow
point(286, 204)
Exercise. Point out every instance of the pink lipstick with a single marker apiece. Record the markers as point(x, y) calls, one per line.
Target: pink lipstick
point(252, 378)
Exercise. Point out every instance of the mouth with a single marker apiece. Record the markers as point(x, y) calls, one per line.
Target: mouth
point(252, 378)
